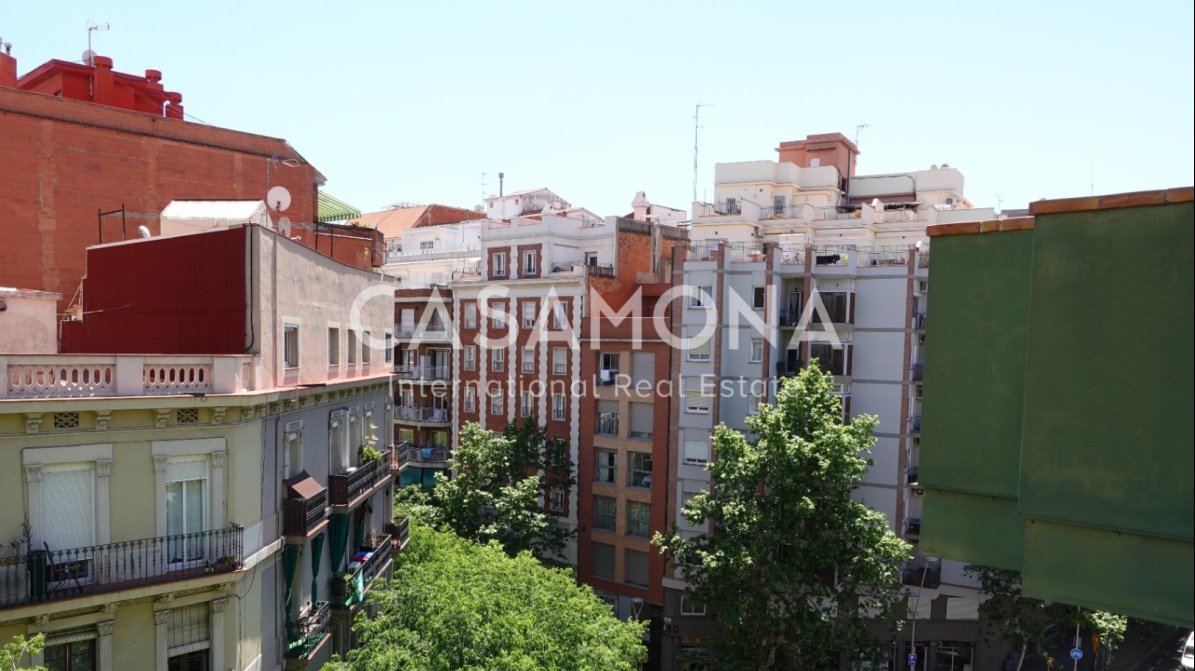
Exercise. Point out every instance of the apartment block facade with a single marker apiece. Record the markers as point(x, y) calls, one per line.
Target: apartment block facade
point(206, 506)
point(800, 260)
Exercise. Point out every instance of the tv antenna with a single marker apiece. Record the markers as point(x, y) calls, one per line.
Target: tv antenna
point(999, 200)
point(859, 128)
point(483, 194)
point(93, 26)
point(696, 128)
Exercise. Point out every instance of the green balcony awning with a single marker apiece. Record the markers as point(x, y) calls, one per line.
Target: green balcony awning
point(332, 209)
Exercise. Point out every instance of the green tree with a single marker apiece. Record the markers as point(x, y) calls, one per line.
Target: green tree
point(793, 559)
point(497, 492)
point(461, 605)
point(1025, 622)
point(15, 650)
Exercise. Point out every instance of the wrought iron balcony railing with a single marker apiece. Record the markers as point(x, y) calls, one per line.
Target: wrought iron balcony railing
point(399, 530)
point(50, 575)
point(301, 516)
point(305, 634)
point(347, 487)
point(349, 588)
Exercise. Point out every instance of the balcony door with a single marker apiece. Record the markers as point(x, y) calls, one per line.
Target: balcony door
point(68, 522)
point(186, 511)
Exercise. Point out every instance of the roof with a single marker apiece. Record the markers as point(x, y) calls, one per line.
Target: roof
point(330, 208)
point(208, 210)
point(520, 193)
point(394, 221)
point(14, 292)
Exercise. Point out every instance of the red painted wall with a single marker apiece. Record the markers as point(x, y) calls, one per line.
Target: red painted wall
point(175, 295)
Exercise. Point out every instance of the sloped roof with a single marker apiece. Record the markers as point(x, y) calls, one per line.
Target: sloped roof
point(390, 222)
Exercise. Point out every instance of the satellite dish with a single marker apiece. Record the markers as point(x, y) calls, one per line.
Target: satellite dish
point(88, 57)
point(277, 199)
point(284, 226)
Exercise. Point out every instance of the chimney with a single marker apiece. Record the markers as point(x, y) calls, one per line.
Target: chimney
point(501, 180)
point(102, 91)
point(174, 108)
point(154, 78)
point(8, 67)
point(639, 206)
point(822, 150)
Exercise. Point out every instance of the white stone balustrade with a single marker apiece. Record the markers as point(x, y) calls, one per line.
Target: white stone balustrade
point(89, 375)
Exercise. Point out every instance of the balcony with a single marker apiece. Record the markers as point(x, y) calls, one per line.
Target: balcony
point(911, 476)
point(347, 489)
point(424, 332)
point(399, 457)
point(919, 322)
point(88, 375)
point(913, 527)
point(410, 414)
point(916, 372)
point(929, 576)
point(349, 588)
point(40, 575)
point(599, 269)
point(422, 373)
point(305, 635)
point(400, 531)
point(427, 454)
point(305, 508)
point(915, 424)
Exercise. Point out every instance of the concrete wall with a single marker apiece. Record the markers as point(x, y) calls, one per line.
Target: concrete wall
point(28, 322)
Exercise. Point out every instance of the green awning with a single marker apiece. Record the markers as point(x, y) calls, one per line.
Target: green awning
point(331, 208)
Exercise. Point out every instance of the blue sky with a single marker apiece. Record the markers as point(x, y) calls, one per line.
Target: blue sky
point(413, 101)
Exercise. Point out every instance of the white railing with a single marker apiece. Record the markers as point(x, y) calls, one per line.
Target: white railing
point(89, 375)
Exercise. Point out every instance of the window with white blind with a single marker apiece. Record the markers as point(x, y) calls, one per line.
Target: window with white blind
point(642, 420)
point(756, 350)
point(527, 404)
point(607, 466)
point(636, 568)
point(406, 321)
point(470, 315)
point(695, 448)
point(470, 357)
point(607, 424)
point(603, 561)
point(696, 401)
point(498, 318)
point(699, 348)
point(188, 630)
point(559, 405)
point(558, 318)
point(643, 369)
point(68, 506)
point(528, 314)
point(469, 402)
point(498, 360)
point(559, 360)
point(186, 507)
point(528, 359)
point(497, 402)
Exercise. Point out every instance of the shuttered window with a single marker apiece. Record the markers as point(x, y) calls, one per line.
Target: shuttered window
point(643, 369)
point(559, 360)
point(603, 561)
point(695, 401)
point(696, 450)
point(188, 630)
point(642, 420)
point(699, 347)
point(68, 506)
point(636, 565)
point(528, 314)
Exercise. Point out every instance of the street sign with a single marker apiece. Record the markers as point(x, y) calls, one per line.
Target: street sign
point(1076, 654)
point(912, 659)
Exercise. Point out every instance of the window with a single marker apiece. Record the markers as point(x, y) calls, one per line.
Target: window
point(605, 513)
point(778, 205)
point(700, 297)
point(407, 435)
point(366, 352)
point(603, 561)
point(636, 567)
point(607, 423)
point(498, 320)
point(757, 295)
point(336, 442)
point(294, 449)
point(290, 345)
point(427, 245)
point(470, 315)
point(755, 400)
point(333, 346)
point(186, 508)
point(690, 607)
point(529, 263)
point(470, 357)
point(556, 501)
point(830, 360)
point(406, 321)
point(696, 449)
point(643, 369)
point(528, 314)
point(558, 318)
point(440, 439)
point(68, 513)
point(607, 368)
point(389, 355)
point(559, 404)
point(699, 347)
point(72, 656)
point(352, 346)
point(696, 401)
point(528, 359)
point(188, 638)
point(756, 350)
point(498, 360)
point(497, 402)
point(815, 162)
point(640, 471)
point(469, 402)
point(499, 264)
point(638, 519)
point(526, 404)
point(642, 420)
point(559, 360)
point(607, 466)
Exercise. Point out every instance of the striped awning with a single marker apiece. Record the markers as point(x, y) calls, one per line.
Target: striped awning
point(333, 209)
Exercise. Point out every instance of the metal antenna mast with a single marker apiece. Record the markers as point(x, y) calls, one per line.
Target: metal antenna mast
point(92, 27)
point(696, 128)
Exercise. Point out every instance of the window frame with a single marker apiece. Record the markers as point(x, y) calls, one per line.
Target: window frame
point(498, 263)
point(639, 478)
point(291, 352)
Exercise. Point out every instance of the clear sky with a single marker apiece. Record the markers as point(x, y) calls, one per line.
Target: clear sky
point(413, 101)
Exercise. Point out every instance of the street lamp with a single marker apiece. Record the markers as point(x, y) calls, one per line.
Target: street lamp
point(636, 611)
point(916, 609)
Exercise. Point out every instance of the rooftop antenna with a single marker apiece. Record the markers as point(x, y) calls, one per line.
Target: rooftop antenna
point(483, 176)
point(696, 128)
point(92, 27)
point(1093, 178)
point(501, 181)
point(999, 200)
point(857, 129)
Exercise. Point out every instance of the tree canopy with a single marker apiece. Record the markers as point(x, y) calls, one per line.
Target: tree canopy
point(794, 567)
point(497, 492)
point(462, 605)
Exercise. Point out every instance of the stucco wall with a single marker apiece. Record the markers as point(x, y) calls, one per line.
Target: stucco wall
point(28, 324)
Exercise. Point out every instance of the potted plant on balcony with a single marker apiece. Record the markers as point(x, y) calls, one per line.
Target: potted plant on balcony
point(367, 453)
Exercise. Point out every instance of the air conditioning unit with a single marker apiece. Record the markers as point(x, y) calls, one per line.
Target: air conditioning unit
point(757, 232)
point(950, 201)
point(919, 491)
point(917, 441)
point(918, 392)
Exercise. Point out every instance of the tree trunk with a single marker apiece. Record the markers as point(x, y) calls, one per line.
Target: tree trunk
point(1021, 659)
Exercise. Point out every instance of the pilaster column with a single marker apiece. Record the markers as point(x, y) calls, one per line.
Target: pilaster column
point(103, 645)
point(161, 626)
point(218, 493)
point(216, 612)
